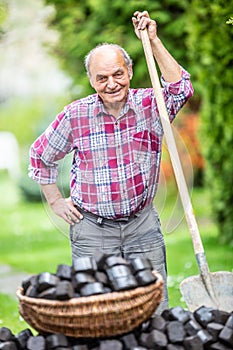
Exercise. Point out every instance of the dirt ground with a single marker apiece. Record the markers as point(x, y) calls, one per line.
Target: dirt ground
point(10, 280)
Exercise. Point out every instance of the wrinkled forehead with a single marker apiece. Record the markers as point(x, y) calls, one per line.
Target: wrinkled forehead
point(106, 58)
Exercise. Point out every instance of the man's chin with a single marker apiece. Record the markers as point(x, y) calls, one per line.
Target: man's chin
point(114, 99)
point(118, 98)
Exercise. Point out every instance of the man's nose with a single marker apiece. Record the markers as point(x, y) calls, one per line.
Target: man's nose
point(111, 83)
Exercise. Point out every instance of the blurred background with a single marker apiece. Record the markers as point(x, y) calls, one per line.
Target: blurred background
point(43, 44)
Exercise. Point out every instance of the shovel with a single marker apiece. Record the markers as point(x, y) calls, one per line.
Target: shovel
point(209, 289)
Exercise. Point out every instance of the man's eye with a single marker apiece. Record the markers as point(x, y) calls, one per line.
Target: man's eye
point(102, 79)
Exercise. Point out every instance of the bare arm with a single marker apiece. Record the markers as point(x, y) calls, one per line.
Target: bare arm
point(168, 66)
point(63, 207)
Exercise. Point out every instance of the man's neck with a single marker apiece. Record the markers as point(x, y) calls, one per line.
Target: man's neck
point(114, 108)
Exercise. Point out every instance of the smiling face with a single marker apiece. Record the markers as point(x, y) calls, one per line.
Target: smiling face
point(110, 77)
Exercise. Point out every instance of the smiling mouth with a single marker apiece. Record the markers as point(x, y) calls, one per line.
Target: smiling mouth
point(113, 92)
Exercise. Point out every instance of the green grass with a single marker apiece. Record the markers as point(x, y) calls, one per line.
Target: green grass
point(33, 240)
point(30, 241)
point(9, 315)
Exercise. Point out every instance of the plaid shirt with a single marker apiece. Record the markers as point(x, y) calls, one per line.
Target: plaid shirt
point(116, 162)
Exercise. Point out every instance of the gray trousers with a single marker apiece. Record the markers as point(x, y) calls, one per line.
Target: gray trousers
point(138, 236)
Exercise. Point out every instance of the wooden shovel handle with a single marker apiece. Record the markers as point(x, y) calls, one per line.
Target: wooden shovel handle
point(172, 149)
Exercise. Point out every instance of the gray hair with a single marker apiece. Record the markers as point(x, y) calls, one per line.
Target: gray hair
point(127, 58)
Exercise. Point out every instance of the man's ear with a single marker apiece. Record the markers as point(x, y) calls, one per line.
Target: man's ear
point(90, 80)
point(130, 72)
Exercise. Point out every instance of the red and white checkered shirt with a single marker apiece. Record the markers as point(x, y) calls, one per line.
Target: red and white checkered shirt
point(116, 162)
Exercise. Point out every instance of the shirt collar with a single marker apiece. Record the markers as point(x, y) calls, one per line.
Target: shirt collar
point(99, 108)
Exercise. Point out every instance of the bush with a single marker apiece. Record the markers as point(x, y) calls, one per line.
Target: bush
point(31, 191)
point(214, 75)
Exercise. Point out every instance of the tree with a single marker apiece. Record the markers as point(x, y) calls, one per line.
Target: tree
point(210, 46)
point(84, 24)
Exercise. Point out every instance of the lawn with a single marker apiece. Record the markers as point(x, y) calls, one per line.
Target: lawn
point(34, 240)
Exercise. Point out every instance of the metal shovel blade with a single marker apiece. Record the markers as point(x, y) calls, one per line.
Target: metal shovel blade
point(195, 293)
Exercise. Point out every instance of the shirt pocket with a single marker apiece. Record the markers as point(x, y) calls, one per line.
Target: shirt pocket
point(145, 146)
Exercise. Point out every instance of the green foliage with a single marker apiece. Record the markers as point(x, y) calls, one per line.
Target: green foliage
point(3, 15)
point(230, 21)
point(26, 117)
point(210, 45)
point(84, 24)
point(31, 191)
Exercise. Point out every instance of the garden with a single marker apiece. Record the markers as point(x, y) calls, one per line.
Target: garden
point(199, 33)
point(33, 241)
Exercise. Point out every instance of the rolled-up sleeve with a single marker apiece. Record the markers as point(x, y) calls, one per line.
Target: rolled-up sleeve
point(48, 148)
point(176, 94)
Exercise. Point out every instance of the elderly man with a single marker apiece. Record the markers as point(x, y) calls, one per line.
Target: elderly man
point(116, 139)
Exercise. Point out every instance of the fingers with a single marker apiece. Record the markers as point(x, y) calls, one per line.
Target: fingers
point(72, 215)
point(67, 211)
point(139, 14)
point(141, 20)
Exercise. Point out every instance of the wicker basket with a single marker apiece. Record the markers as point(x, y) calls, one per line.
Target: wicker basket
point(102, 315)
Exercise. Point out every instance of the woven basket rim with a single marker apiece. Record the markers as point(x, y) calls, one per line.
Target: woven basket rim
point(93, 298)
point(93, 316)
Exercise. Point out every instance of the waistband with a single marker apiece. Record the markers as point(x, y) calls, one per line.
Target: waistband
point(100, 220)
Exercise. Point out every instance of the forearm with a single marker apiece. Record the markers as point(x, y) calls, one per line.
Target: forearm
point(63, 207)
point(168, 66)
point(51, 193)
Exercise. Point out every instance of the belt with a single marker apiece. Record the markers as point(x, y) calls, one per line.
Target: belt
point(100, 220)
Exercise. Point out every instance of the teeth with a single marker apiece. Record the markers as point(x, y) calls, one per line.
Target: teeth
point(113, 92)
